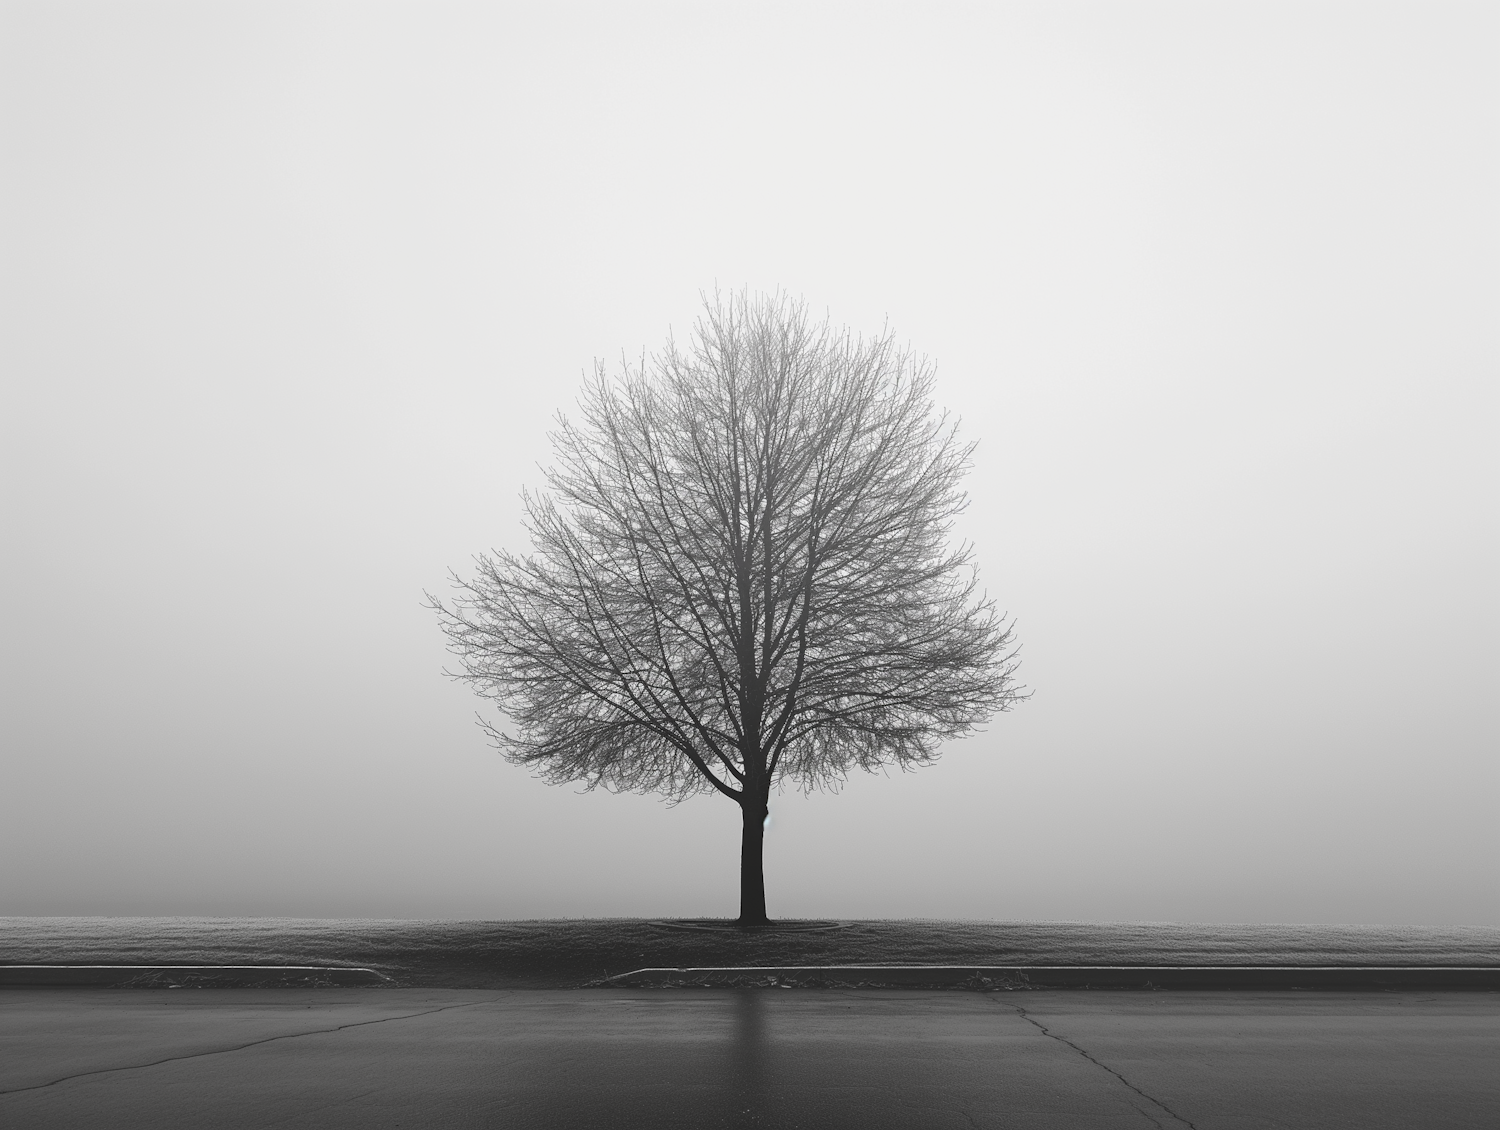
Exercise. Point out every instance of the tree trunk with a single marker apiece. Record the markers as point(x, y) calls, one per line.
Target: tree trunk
point(752, 869)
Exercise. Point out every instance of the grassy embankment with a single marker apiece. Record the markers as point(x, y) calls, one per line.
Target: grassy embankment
point(573, 952)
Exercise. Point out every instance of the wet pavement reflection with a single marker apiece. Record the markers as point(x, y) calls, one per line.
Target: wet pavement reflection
point(670, 1059)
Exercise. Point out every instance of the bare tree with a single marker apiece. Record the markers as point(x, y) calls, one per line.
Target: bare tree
point(742, 576)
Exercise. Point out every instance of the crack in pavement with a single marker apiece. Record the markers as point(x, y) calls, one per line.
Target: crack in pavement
point(236, 1048)
point(1026, 1016)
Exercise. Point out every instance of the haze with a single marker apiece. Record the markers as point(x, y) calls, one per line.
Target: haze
point(292, 293)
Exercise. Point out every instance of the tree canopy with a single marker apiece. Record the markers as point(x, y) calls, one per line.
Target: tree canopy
point(741, 575)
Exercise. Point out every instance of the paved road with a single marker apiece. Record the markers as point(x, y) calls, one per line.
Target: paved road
point(372, 1058)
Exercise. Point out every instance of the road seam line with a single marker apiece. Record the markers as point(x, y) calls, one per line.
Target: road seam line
point(237, 1048)
point(1063, 1040)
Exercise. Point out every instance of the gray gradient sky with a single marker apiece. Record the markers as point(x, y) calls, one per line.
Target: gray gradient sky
point(292, 291)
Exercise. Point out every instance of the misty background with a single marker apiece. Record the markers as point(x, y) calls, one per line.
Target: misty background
point(293, 291)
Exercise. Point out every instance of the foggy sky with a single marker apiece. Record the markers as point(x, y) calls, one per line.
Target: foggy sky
point(292, 293)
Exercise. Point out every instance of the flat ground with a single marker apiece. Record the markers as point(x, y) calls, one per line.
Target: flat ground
point(570, 953)
point(373, 1058)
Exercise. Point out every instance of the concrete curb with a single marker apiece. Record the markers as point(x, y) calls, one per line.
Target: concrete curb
point(189, 976)
point(981, 977)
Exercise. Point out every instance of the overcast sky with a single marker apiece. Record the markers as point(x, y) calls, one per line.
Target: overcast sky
point(292, 292)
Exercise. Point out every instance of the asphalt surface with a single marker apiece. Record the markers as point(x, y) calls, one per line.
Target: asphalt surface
point(668, 1058)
